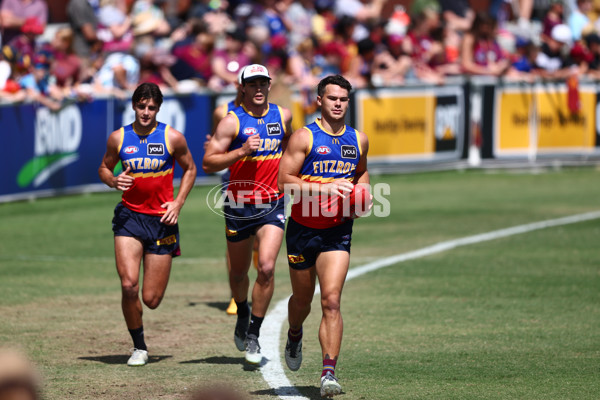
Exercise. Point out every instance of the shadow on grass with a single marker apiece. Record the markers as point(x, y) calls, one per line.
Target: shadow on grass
point(311, 392)
point(121, 359)
point(219, 305)
point(224, 360)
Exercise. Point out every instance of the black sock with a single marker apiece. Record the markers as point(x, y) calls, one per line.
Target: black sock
point(255, 323)
point(242, 309)
point(138, 338)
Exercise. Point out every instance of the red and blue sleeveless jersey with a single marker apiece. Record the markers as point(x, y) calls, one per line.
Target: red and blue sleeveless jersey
point(151, 162)
point(254, 178)
point(330, 157)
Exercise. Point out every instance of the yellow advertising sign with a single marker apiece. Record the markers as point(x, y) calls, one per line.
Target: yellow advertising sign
point(514, 121)
point(400, 125)
point(298, 113)
point(554, 129)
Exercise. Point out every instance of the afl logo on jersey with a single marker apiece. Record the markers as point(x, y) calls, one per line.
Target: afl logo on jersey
point(250, 131)
point(131, 150)
point(322, 150)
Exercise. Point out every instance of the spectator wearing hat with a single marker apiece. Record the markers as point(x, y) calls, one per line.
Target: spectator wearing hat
point(19, 64)
point(551, 61)
point(40, 84)
point(14, 13)
point(523, 59)
point(147, 19)
point(9, 88)
point(25, 43)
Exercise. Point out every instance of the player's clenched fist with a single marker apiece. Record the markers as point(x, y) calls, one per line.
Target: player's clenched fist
point(124, 180)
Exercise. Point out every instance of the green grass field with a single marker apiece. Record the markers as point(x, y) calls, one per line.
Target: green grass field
point(513, 318)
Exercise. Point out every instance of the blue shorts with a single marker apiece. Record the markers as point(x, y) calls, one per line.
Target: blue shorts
point(304, 244)
point(225, 178)
point(157, 238)
point(242, 222)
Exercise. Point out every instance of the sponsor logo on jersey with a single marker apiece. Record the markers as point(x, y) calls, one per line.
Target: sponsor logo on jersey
point(156, 149)
point(131, 150)
point(167, 240)
point(250, 131)
point(296, 259)
point(349, 151)
point(323, 150)
point(274, 129)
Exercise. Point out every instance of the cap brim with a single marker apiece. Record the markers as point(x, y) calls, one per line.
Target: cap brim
point(253, 78)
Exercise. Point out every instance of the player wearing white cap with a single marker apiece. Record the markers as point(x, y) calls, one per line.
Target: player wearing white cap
point(249, 141)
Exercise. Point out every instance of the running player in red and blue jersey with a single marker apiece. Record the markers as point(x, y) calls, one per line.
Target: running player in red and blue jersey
point(249, 141)
point(145, 222)
point(321, 166)
point(218, 114)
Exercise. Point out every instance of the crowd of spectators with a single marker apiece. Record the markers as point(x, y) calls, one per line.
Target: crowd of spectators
point(110, 46)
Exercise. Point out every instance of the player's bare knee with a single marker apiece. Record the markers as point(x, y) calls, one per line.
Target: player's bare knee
point(152, 300)
point(266, 271)
point(301, 302)
point(331, 303)
point(129, 289)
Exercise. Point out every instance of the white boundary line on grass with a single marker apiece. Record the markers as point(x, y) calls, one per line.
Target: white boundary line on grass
point(273, 372)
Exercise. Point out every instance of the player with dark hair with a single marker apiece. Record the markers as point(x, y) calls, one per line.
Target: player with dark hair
point(145, 222)
point(323, 164)
point(249, 141)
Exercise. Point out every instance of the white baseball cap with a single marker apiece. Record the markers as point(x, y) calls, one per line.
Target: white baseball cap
point(561, 33)
point(254, 71)
point(241, 71)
